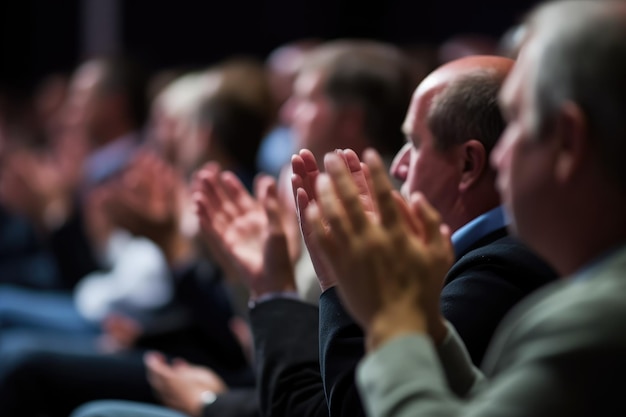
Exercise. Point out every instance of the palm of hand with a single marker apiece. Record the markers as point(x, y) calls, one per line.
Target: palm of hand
point(245, 239)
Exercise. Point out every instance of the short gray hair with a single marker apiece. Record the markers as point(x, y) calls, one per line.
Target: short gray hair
point(583, 59)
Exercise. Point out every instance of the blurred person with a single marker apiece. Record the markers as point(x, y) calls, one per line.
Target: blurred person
point(383, 90)
point(282, 66)
point(560, 160)
point(194, 119)
point(137, 279)
point(450, 139)
point(101, 118)
point(214, 120)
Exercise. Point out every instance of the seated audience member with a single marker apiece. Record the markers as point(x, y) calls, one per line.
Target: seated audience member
point(25, 261)
point(218, 120)
point(561, 159)
point(103, 112)
point(138, 280)
point(282, 67)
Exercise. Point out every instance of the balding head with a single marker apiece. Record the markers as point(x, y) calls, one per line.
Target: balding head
point(452, 125)
point(459, 101)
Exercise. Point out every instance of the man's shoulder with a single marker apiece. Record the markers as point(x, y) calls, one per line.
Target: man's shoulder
point(577, 319)
point(506, 258)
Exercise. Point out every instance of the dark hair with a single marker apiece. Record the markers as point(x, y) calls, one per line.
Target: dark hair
point(467, 109)
point(238, 126)
point(121, 75)
point(374, 76)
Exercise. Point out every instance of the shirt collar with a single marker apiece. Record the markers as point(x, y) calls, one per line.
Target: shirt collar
point(478, 228)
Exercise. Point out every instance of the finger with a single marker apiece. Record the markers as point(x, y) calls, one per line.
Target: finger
point(360, 179)
point(297, 165)
point(213, 224)
point(429, 217)
point(331, 209)
point(272, 209)
point(237, 193)
point(407, 214)
point(323, 240)
point(309, 160)
point(347, 193)
point(155, 362)
point(296, 184)
point(389, 213)
point(302, 201)
point(179, 363)
point(261, 185)
point(311, 172)
point(370, 186)
point(214, 196)
point(446, 236)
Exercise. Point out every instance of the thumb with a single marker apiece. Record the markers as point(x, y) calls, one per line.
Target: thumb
point(272, 209)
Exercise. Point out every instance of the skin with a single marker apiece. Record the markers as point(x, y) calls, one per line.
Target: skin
point(458, 181)
point(542, 179)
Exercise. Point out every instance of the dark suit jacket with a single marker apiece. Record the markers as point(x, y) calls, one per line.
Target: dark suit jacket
point(296, 379)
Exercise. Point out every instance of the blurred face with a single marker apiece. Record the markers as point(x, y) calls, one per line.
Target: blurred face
point(311, 114)
point(163, 129)
point(86, 107)
point(421, 167)
point(524, 162)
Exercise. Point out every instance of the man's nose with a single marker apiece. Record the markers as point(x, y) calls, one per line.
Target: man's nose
point(400, 166)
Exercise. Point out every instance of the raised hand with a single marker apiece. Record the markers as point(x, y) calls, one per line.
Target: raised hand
point(390, 266)
point(245, 233)
point(33, 185)
point(304, 178)
point(181, 385)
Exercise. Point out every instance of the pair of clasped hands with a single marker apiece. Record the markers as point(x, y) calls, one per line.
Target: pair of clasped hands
point(387, 256)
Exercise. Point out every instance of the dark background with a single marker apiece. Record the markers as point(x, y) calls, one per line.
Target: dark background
point(38, 37)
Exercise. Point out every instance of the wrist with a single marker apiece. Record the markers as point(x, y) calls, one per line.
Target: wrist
point(438, 330)
point(393, 323)
point(268, 292)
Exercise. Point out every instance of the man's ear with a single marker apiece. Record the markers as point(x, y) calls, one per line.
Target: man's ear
point(473, 160)
point(572, 142)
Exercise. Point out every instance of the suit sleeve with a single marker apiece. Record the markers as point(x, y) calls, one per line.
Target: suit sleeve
point(286, 346)
point(341, 349)
point(550, 365)
point(234, 403)
point(484, 285)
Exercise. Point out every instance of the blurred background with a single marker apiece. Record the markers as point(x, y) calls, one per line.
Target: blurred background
point(39, 37)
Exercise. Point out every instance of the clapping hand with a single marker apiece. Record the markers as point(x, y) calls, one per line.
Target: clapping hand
point(304, 179)
point(245, 233)
point(389, 265)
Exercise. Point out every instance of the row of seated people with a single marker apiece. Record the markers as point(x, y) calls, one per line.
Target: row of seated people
point(414, 283)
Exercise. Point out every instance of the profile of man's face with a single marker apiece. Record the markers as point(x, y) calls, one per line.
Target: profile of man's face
point(420, 165)
point(523, 162)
